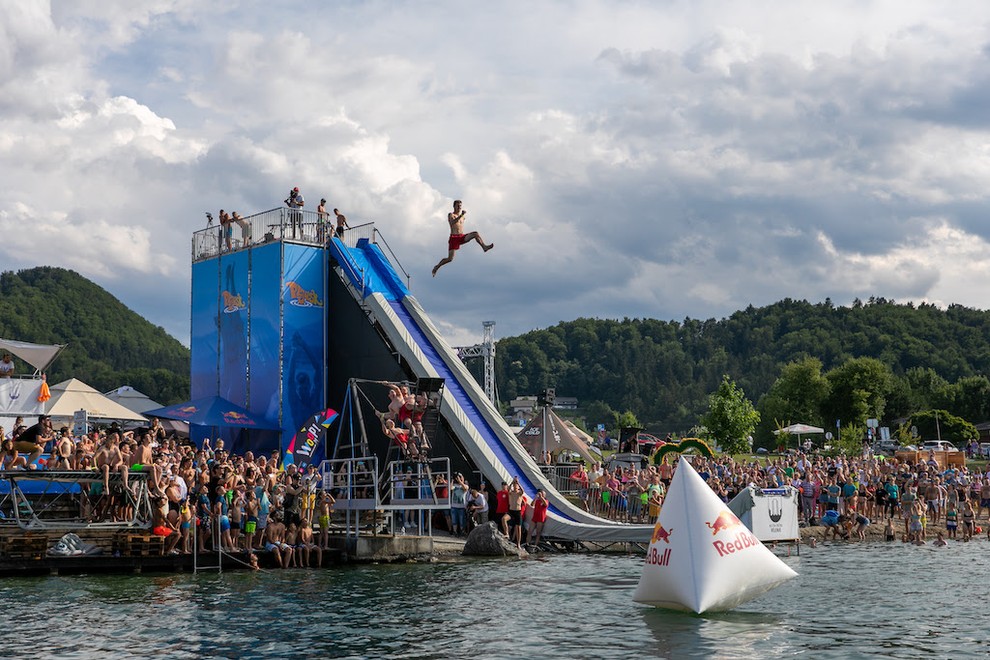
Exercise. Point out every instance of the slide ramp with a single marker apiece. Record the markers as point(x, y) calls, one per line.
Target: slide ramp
point(482, 432)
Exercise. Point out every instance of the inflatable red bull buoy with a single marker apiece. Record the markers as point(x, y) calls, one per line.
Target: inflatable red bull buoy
point(702, 558)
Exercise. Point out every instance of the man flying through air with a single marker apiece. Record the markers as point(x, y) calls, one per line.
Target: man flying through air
point(458, 237)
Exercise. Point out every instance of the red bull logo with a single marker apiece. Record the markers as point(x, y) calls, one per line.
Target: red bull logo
point(301, 297)
point(233, 417)
point(741, 541)
point(661, 534)
point(232, 303)
point(725, 520)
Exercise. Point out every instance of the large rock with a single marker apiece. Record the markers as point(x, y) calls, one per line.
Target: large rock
point(487, 541)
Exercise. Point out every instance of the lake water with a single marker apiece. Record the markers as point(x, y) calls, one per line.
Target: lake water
point(852, 600)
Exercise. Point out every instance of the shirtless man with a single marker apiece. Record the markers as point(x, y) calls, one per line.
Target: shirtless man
point(308, 549)
point(341, 223)
point(142, 461)
point(275, 536)
point(61, 458)
point(458, 237)
point(110, 459)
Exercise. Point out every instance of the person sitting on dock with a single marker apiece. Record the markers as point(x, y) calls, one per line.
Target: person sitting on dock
point(10, 458)
point(310, 554)
point(33, 439)
point(143, 461)
point(275, 541)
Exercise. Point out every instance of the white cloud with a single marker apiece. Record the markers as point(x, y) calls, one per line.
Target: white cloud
point(628, 159)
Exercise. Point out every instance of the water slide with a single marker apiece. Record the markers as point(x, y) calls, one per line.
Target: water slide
point(479, 427)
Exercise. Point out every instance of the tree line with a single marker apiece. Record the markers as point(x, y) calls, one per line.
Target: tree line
point(800, 362)
point(108, 345)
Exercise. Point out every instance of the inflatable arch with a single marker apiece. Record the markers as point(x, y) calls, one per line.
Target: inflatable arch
point(679, 448)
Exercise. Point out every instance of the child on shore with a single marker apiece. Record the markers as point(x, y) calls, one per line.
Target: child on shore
point(951, 520)
point(888, 530)
point(326, 511)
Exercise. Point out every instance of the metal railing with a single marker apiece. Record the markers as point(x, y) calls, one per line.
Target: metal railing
point(353, 482)
point(285, 224)
point(280, 224)
point(559, 476)
point(42, 499)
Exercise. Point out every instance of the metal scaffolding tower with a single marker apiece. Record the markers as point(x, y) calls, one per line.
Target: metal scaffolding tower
point(486, 350)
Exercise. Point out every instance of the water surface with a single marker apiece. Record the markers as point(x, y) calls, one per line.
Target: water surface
point(849, 601)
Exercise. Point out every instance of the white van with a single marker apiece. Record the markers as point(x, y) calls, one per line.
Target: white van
point(938, 445)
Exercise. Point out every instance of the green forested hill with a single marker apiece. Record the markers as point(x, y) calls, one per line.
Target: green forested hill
point(664, 371)
point(108, 344)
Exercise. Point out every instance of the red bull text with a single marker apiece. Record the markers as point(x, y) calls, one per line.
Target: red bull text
point(742, 541)
point(658, 558)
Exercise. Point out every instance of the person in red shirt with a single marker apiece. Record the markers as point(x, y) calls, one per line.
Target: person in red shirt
point(540, 506)
point(502, 508)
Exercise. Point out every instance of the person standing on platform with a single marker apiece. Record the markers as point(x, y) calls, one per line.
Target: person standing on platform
point(458, 237)
point(6, 366)
point(516, 498)
point(341, 223)
point(322, 219)
point(295, 201)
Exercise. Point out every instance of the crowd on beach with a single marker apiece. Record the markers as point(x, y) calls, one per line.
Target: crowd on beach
point(843, 495)
point(206, 496)
point(242, 504)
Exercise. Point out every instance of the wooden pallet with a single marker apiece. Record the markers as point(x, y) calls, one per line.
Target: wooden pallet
point(143, 545)
point(24, 546)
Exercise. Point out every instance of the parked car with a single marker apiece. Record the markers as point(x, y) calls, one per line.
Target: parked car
point(886, 447)
point(938, 445)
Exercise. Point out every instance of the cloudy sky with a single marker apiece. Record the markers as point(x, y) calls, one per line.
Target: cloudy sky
point(628, 159)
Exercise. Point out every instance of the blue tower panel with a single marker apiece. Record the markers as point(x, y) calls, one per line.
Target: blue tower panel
point(264, 384)
point(203, 338)
point(303, 300)
point(233, 327)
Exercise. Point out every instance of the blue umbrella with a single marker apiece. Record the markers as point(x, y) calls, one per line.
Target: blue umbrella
point(214, 411)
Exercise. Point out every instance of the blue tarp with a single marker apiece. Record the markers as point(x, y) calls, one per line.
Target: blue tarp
point(213, 411)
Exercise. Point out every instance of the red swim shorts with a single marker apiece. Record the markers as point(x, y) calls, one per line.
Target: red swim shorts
point(455, 242)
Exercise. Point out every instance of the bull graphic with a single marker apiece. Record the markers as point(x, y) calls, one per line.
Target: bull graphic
point(724, 521)
point(661, 534)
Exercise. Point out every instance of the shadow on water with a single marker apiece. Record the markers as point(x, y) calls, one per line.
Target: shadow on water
point(723, 634)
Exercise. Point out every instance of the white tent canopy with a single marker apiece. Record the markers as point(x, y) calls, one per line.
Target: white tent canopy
point(73, 394)
point(132, 399)
point(799, 429)
point(38, 356)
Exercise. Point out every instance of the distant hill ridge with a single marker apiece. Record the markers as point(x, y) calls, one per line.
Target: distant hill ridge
point(663, 371)
point(108, 344)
